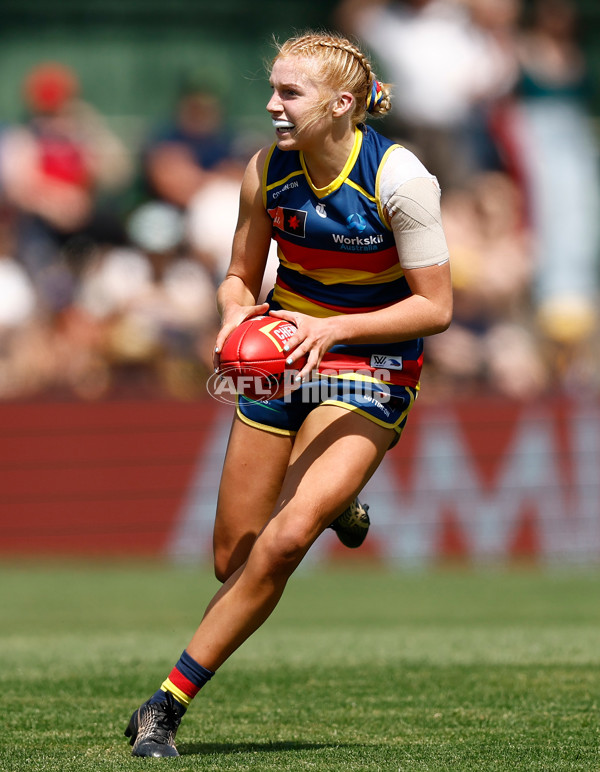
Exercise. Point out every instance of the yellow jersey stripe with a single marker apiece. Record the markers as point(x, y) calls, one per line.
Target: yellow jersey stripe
point(345, 275)
point(257, 425)
point(283, 181)
point(380, 209)
point(292, 302)
point(362, 191)
point(265, 174)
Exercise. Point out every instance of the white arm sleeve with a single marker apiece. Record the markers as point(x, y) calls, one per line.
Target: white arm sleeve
point(411, 198)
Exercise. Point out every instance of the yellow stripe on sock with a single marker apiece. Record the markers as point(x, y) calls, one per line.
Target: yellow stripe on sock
point(182, 697)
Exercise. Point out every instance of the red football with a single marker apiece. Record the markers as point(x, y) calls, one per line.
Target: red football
point(254, 359)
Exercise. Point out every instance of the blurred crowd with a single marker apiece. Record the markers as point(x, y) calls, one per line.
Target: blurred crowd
point(110, 255)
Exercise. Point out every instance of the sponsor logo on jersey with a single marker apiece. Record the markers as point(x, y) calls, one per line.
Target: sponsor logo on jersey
point(287, 186)
point(292, 221)
point(356, 223)
point(387, 362)
point(357, 241)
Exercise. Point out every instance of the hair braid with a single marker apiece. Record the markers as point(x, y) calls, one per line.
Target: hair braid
point(346, 68)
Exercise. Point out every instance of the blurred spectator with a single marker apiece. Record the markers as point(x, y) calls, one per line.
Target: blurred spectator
point(211, 218)
point(558, 160)
point(210, 225)
point(478, 97)
point(182, 156)
point(17, 294)
point(448, 60)
point(40, 352)
point(549, 146)
point(53, 169)
point(95, 306)
point(491, 341)
point(154, 303)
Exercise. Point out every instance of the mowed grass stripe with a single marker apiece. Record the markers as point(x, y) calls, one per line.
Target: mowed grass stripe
point(356, 670)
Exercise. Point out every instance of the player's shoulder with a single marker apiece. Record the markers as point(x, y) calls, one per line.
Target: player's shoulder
point(394, 158)
point(258, 160)
point(279, 164)
point(255, 167)
point(400, 166)
point(405, 165)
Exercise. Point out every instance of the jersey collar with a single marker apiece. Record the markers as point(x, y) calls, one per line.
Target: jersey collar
point(342, 176)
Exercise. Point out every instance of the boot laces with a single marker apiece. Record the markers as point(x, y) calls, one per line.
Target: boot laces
point(161, 721)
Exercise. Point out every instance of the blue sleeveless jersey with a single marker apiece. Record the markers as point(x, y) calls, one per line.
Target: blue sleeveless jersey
point(337, 255)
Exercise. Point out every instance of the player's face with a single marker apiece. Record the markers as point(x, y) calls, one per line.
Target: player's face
point(296, 99)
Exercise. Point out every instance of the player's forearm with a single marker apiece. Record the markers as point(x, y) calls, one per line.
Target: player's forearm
point(414, 317)
point(233, 292)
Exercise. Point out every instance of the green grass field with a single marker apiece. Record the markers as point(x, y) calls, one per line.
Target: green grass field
point(357, 670)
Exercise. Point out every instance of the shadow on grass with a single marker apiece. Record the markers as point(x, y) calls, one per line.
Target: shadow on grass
point(190, 749)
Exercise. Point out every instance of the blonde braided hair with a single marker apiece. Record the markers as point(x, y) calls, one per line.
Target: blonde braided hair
point(345, 68)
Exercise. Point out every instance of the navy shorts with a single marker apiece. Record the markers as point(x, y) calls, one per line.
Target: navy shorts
point(383, 404)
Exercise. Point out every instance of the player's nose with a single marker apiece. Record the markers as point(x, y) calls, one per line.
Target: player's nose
point(274, 104)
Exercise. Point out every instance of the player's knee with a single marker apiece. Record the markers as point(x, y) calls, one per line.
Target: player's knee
point(282, 549)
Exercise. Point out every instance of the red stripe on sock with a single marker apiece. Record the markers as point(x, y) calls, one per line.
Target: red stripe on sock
point(183, 683)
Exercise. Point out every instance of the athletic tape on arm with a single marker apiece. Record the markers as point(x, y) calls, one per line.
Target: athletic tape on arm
point(415, 217)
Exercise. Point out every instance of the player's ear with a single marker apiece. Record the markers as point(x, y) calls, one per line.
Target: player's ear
point(343, 104)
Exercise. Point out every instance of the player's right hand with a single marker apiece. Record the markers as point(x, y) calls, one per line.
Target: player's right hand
point(233, 316)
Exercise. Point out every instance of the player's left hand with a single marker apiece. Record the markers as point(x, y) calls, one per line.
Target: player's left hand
point(313, 339)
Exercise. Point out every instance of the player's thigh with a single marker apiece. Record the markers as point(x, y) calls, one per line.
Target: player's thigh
point(335, 453)
point(253, 472)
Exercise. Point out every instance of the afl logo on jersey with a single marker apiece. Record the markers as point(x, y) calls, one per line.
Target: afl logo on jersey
point(320, 209)
point(356, 223)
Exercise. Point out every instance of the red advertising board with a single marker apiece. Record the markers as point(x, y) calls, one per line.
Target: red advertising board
point(487, 480)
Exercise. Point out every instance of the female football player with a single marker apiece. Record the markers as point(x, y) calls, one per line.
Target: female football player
point(364, 275)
